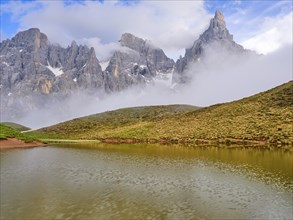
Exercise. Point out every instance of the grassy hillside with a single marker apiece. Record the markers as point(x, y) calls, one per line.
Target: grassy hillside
point(9, 132)
point(94, 126)
point(17, 127)
point(262, 118)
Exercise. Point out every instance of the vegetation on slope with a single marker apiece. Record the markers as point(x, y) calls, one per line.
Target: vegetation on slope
point(15, 126)
point(9, 132)
point(94, 126)
point(262, 118)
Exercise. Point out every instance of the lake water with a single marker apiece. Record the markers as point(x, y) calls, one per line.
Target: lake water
point(103, 181)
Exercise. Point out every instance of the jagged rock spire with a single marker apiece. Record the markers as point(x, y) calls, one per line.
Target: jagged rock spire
point(216, 34)
point(217, 29)
point(219, 16)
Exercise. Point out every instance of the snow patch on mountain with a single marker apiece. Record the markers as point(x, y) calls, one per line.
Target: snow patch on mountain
point(104, 65)
point(57, 71)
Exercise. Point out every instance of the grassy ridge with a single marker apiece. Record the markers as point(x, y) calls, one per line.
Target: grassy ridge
point(17, 127)
point(9, 132)
point(263, 118)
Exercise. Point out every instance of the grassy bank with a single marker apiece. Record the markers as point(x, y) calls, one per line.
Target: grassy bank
point(9, 132)
point(265, 118)
point(15, 126)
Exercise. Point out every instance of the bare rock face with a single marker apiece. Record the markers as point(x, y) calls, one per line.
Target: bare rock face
point(136, 63)
point(32, 71)
point(216, 35)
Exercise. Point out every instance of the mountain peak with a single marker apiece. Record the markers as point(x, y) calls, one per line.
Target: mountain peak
point(218, 21)
point(217, 34)
point(217, 29)
point(73, 43)
point(219, 16)
point(30, 36)
point(132, 42)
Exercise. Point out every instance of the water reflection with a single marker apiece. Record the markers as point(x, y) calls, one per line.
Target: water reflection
point(145, 181)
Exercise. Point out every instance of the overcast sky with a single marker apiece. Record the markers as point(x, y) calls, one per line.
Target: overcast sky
point(261, 25)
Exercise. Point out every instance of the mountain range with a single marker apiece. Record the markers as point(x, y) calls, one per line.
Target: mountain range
point(35, 72)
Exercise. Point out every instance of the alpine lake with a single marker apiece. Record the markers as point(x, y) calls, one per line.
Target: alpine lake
point(143, 181)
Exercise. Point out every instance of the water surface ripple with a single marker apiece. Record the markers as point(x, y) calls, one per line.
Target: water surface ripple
point(145, 182)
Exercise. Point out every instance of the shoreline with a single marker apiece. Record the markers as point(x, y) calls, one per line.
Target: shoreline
point(186, 141)
point(13, 143)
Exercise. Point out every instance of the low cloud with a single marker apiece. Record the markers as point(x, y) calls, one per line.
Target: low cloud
point(214, 80)
point(103, 51)
point(224, 78)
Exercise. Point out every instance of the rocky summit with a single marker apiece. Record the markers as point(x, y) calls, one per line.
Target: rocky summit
point(217, 35)
point(35, 72)
point(137, 62)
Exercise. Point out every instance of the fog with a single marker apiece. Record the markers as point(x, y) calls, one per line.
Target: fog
point(217, 78)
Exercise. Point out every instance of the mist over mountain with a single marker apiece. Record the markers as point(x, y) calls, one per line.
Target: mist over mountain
point(43, 83)
point(216, 37)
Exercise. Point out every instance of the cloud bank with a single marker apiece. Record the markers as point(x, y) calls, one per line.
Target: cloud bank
point(171, 25)
point(213, 81)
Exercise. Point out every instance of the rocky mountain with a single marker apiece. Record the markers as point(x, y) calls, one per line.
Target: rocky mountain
point(34, 72)
point(31, 65)
point(138, 62)
point(217, 36)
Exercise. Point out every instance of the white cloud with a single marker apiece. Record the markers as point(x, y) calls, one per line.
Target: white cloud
point(223, 77)
point(19, 8)
point(275, 33)
point(169, 24)
point(103, 51)
point(217, 80)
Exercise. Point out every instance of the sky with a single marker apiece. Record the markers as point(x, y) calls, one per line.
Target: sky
point(263, 26)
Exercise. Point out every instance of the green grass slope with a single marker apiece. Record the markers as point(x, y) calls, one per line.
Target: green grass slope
point(9, 132)
point(17, 127)
point(262, 118)
point(99, 125)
